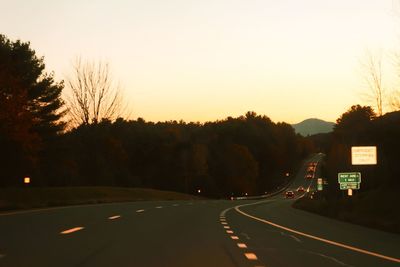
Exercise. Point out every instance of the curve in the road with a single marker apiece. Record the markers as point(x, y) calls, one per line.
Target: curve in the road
point(237, 208)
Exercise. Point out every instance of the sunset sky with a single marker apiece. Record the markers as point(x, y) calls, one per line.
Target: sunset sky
point(208, 59)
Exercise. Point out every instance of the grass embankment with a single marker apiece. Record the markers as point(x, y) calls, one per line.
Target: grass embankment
point(377, 209)
point(41, 197)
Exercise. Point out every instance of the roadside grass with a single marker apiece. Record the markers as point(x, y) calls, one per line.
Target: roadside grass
point(377, 209)
point(42, 197)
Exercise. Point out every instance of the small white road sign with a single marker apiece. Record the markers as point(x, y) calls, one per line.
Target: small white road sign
point(363, 155)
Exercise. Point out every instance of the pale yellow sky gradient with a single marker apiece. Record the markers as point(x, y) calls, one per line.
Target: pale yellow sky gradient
point(206, 60)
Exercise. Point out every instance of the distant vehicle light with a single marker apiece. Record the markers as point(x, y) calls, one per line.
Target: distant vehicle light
point(309, 175)
point(300, 189)
point(27, 180)
point(289, 194)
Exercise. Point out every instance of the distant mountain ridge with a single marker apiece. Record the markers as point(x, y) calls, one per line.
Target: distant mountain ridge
point(313, 126)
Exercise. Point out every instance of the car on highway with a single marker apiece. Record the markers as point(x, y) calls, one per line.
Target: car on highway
point(309, 176)
point(300, 189)
point(289, 194)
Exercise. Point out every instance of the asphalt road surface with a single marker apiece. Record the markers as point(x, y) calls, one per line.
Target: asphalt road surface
point(267, 232)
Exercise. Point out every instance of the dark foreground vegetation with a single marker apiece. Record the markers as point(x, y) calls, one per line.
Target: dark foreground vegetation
point(44, 197)
point(249, 154)
point(377, 203)
point(243, 155)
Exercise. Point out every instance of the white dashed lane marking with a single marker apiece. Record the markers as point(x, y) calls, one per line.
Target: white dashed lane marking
point(251, 256)
point(175, 205)
point(72, 230)
point(138, 211)
point(159, 207)
point(114, 217)
point(241, 245)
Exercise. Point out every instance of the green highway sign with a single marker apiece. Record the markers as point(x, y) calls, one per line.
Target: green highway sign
point(349, 180)
point(349, 177)
point(345, 186)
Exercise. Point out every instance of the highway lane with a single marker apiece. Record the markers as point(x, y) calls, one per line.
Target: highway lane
point(169, 233)
point(263, 225)
point(189, 233)
point(278, 247)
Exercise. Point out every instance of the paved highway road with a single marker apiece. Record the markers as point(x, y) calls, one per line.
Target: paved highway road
point(266, 232)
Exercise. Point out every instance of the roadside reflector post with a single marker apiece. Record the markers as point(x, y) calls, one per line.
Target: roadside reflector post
point(349, 192)
point(27, 180)
point(349, 180)
point(319, 184)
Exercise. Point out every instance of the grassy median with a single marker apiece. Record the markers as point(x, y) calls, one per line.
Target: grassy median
point(41, 197)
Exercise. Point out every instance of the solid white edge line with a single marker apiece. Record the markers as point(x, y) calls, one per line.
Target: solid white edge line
point(314, 237)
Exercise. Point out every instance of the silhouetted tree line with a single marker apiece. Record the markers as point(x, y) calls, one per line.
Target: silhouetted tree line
point(360, 126)
point(249, 154)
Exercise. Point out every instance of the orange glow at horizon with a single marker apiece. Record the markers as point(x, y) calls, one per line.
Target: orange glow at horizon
point(194, 60)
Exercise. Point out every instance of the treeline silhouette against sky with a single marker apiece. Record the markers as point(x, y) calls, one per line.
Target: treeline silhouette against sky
point(360, 126)
point(375, 204)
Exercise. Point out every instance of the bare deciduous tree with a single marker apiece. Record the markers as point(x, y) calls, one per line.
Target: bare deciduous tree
point(93, 95)
point(395, 100)
point(372, 71)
